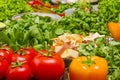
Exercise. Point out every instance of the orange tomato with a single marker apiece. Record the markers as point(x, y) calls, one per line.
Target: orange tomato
point(78, 70)
point(114, 29)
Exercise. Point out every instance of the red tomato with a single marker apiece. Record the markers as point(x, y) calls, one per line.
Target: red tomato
point(21, 58)
point(3, 67)
point(4, 54)
point(47, 67)
point(9, 51)
point(20, 72)
point(30, 51)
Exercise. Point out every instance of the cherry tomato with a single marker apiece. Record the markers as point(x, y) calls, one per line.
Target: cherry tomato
point(21, 56)
point(18, 71)
point(47, 67)
point(4, 54)
point(29, 51)
point(9, 51)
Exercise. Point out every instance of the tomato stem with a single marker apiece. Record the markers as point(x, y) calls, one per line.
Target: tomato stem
point(17, 64)
point(49, 54)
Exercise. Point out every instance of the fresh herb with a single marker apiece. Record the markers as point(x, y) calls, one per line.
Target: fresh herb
point(84, 22)
point(29, 30)
point(110, 9)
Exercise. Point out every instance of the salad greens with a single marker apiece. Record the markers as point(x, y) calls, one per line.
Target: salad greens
point(84, 22)
point(9, 8)
point(29, 30)
point(38, 31)
point(110, 9)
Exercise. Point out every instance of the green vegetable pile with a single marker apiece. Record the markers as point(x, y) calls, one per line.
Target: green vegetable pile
point(38, 31)
point(82, 22)
point(28, 31)
point(9, 8)
point(110, 9)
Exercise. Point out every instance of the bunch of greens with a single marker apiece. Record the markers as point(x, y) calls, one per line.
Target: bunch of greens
point(84, 22)
point(108, 49)
point(110, 9)
point(30, 30)
point(9, 8)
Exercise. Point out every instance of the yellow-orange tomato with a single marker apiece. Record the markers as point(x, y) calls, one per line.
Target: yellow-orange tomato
point(80, 71)
point(114, 29)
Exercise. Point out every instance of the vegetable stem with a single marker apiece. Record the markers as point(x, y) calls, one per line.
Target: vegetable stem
point(89, 62)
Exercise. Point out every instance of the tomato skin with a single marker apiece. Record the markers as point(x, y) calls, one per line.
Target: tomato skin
point(30, 51)
point(4, 54)
point(3, 67)
point(80, 71)
point(47, 68)
point(19, 73)
point(21, 58)
point(24, 55)
point(9, 51)
point(43, 52)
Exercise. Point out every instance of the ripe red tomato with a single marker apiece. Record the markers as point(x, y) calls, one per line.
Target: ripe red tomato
point(3, 67)
point(4, 54)
point(9, 51)
point(20, 72)
point(21, 58)
point(47, 67)
point(30, 51)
